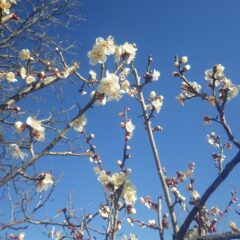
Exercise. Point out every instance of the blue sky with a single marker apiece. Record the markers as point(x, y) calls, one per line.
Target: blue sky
point(208, 32)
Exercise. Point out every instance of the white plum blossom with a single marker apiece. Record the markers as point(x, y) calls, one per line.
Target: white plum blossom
point(157, 103)
point(35, 124)
point(97, 55)
point(10, 76)
point(107, 45)
point(213, 139)
point(104, 211)
point(109, 86)
point(16, 152)
point(30, 79)
point(19, 126)
point(38, 130)
point(23, 72)
point(189, 89)
point(103, 177)
point(118, 179)
point(93, 75)
point(155, 75)
point(129, 193)
point(25, 54)
point(44, 182)
point(126, 51)
point(80, 123)
point(100, 50)
point(195, 195)
point(129, 126)
point(21, 236)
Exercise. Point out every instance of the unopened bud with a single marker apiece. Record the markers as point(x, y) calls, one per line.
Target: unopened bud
point(186, 67)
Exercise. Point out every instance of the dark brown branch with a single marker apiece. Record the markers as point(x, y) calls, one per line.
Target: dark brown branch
point(210, 190)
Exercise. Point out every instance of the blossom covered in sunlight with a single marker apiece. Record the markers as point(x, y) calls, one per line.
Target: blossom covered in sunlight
point(213, 139)
point(10, 76)
point(100, 50)
point(190, 89)
point(127, 52)
point(129, 126)
point(104, 211)
point(129, 193)
point(195, 195)
point(19, 126)
point(109, 86)
point(44, 182)
point(155, 75)
point(30, 79)
point(97, 55)
point(23, 72)
point(80, 123)
point(181, 99)
point(118, 179)
point(103, 177)
point(157, 103)
point(35, 124)
point(16, 152)
point(25, 54)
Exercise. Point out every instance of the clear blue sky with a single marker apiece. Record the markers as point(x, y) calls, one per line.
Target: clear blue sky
point(208, 32)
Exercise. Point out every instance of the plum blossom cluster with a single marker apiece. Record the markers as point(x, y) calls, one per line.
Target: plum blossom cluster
point(80, 123)
point(44, 182)
point(217, 79)
point(155, 102)
point(215, 141)
point(15, 151)
point(6, 5)
point(119, 181)
point(35, 127)
point(105, 47)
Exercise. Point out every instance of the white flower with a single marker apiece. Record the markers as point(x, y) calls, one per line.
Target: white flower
point(80, 123)
point(181, 99)
point(10, 76)
point(23, 73)
point(107, 45)
point(129, 126)
point(195, 195)
point(213, 139)
point(129, 193)
point(44, 182)
point(19, 126)
point(124, 73)
point(103, 177)
point(16, 152)
point(30, 79)
point(184, 59)
point(118, 179)
point(35, 124)
point(93, 75)
point(190, 88)
point(155, 75)
point(126, 51)
point(109, 86)
point(157, 103)
point(151, 222)
point(133, 237)
point(104, 211)
point(97, 55)
point(152, 94)
point(21, 236)
point(24, 54)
